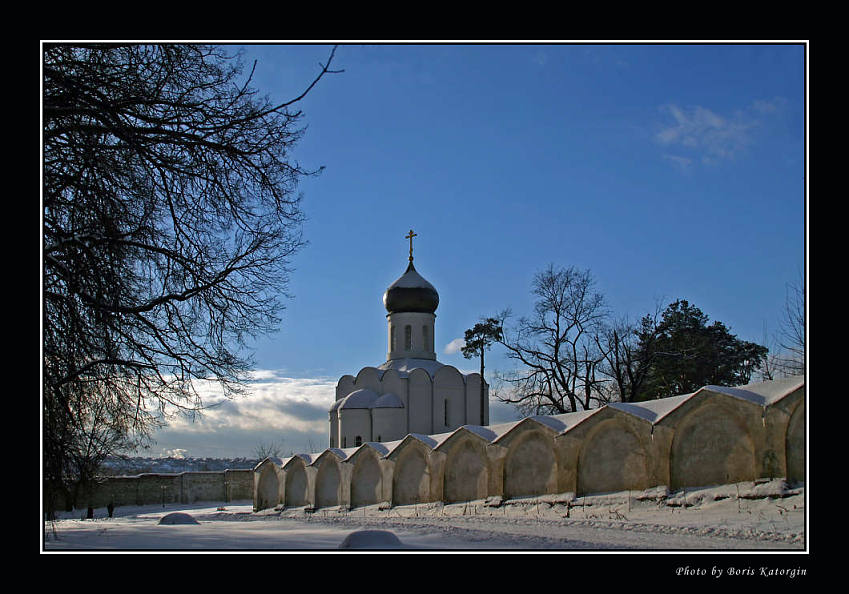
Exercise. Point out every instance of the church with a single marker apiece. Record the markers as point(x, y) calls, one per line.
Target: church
point(411, 392)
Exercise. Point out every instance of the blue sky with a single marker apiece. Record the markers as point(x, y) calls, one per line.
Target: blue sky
point(669, 171)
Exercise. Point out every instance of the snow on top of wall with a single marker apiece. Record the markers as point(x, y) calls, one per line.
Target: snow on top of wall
point(571, 420)
point(275, 459)
point(777, 389)
point(550, 421)
point(381, 448)
point(633, 408)
point(654, 410)
point(740, 393)
point(486, 432)
point(425, 439)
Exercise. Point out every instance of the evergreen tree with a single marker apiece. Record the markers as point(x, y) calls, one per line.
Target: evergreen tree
point(478, 339)
point(686, 353)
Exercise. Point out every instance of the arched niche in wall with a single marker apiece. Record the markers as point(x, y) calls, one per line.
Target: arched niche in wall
point(530, 466)
point(795, 444)
point(466, 470)
point(268, 487)
point(366, 479)
point(711, 446)
point(612, 458)
point(327, 481)
point(411, 478)
point(296, 483)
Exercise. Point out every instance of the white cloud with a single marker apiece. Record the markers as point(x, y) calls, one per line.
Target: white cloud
point(454, 346)
point(682, 162)
point(707, 135)
point(272, 404)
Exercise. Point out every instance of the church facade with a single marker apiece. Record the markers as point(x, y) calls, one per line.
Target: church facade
point(411, 392)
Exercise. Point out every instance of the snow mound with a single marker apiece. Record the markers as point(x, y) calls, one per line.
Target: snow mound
point(178, 518)
point(371, 539)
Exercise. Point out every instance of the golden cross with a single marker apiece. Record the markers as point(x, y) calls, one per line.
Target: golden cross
point(410, 236)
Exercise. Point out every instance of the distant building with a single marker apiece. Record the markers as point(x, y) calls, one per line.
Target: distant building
point(411, 392)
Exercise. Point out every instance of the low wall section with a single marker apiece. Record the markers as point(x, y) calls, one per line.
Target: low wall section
point(716, 435)
point(184, 487)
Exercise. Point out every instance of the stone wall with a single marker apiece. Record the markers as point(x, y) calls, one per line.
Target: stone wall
point(184, 487)
point(716, 435)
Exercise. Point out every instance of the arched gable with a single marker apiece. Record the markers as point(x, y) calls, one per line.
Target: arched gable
point(391, 383)
point(344, 386)
point(368, 377)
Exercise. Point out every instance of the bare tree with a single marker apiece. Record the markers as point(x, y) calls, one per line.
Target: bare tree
point(273, 448)
point(559, 359)
point(792, 332)
point(628, 353)
point(170, 216)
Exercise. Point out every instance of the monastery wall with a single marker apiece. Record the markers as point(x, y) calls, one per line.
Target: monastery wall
point(184, 487)
point(716, 435)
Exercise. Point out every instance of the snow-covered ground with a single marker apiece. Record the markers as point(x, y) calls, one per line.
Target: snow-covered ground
point(763, 517)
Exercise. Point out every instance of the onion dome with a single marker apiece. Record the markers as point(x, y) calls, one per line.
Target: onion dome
point(411, 293)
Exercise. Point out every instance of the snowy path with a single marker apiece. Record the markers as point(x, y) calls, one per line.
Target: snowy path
point(711, 522)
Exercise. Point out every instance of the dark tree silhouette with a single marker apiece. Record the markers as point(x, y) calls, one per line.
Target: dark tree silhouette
point(559, 360)
point(170, 216)
point(478, 340)
point(686, 353)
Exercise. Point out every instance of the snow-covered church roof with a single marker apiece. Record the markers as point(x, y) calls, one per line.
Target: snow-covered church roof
point(365, 398)
point(405, 366)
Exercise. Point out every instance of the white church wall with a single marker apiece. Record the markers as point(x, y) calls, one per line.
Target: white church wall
point(388, 424)
point(335, 439)
point(354, 423)
point(420, 408)
point(473, 401)
point(449, 390)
